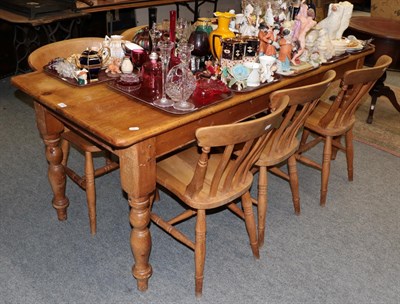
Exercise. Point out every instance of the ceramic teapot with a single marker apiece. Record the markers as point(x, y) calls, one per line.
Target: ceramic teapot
point(92, 60)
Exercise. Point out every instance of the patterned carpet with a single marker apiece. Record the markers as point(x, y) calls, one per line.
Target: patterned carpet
point(384, 132)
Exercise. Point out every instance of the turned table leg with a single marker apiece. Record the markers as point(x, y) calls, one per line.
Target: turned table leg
point(138, 178)
point(50, 129)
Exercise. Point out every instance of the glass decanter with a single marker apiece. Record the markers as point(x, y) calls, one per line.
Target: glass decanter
point(181, 82)
point(165, 55)
point(152, 79)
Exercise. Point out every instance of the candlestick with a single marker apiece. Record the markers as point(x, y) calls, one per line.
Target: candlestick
point(172, 25)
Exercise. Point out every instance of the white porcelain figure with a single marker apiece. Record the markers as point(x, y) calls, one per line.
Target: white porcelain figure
point(324, 45)
point(266, 68)
point(338, 19)
point(254, 77)
point(269, 16)
point(248, 26)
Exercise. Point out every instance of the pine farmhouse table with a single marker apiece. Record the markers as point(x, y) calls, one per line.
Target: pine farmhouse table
point(138, 134)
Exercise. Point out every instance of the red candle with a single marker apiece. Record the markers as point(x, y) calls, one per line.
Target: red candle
point(172, 25)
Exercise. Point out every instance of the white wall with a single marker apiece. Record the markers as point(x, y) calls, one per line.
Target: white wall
point(206, 10)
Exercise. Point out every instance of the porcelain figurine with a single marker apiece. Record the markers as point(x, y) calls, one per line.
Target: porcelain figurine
point(338, 19)
point(324, 46)
point(248, 27)
point(269, 16)
point(267, 68)
point(267, 39)
point(253, 80)
point(239, 74)
point(285, 50)
point(114, 67)
point(304, 22)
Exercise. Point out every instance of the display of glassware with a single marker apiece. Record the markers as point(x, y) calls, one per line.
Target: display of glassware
point(183, 30)
point(155, 36)
point(180, 82)
point(139, 57)
point(165, 55)
point(152, 78)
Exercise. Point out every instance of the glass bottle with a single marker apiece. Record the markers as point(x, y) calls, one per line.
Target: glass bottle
point(152, 78)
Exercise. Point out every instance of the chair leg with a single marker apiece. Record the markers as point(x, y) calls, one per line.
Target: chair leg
point(349, 154)
point(335, 149)
point(250, 223)
point(200, 251)
point(294, 183)
point(90, 191)
point(262, 204)
point(326, 163)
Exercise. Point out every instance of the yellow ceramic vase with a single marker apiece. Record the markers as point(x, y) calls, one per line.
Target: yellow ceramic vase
point(221, 32)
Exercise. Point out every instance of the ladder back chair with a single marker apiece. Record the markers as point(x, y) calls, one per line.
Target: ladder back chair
point(331, 121)
point(213, 174)
point(282, 146)
point(37, 60)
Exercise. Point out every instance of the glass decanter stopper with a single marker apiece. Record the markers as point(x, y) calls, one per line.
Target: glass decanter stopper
point(155, 36)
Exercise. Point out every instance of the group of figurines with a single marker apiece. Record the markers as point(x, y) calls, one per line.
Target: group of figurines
point(286, 31)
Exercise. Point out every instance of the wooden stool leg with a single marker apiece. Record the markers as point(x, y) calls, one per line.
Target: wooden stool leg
point(326, 163)
point(349, 154)
point(294, 183)
point(200, 251)
point(262, 205)
point(90, 191)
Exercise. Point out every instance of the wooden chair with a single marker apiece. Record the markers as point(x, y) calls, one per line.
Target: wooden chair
point(213, 174)
point(330, 121)
point(37, 60)
point(281, 148)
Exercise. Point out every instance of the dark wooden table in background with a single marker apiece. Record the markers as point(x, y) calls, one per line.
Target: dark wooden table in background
point(386, 38)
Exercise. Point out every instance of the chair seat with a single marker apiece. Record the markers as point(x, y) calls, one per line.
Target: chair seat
point(176, 172)
point(271, 158)
point(320, 111)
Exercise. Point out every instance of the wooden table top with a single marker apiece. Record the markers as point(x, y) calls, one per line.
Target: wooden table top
point(376, 26)
point(110, 115)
